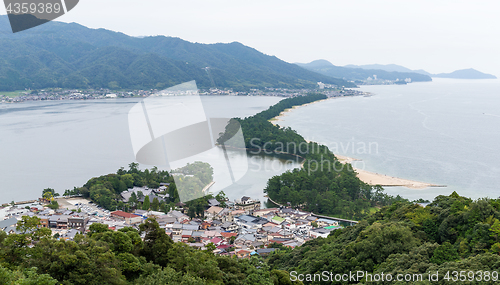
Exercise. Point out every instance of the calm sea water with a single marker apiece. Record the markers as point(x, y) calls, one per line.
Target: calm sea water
point(442, 132)
point(62, 144)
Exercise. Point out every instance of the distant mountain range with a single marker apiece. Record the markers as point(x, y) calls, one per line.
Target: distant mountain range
point(73, 56)
point(389, 68)
point(458, 74)
point(360, 73)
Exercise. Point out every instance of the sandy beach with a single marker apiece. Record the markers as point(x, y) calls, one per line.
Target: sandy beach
point(282, 114)
point(372, 178)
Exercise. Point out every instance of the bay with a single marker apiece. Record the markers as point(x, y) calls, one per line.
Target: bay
point(62, 144)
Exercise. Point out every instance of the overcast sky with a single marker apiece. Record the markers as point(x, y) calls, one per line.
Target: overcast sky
point(438, 36)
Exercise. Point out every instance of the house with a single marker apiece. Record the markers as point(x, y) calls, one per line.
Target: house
point(58, 221)
point(178, 215)
point(211, 234)
point(238, 213)
point(291, 243)
point(250, 222)
point(262, 238)
point(140, 212)
point(7, 225)
point(322, 222)
point(279, 240)
point(213, 202)
point(277, 220)
point(70, 235)
point(265, 251)
point(247, 204)
point(125, 195)
point(213, 211)
point(197, 235)
point(228, 236)
point(229, 227)
point(225, 215)
point(196, 244)
point(241, 253)
point(176, 229)
point(128, 218)
point(322, 232)
point(190, 227)
point(185, 235)
point(166, 220)
point(217, 241)
point(162, 198)
point(264, 212)
point(77, 222)
point(245, 239)
point(44, 221)
point(155, 214)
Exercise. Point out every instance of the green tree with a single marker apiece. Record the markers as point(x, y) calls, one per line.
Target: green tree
point(155, 205)
point(133, 167)
point(96, 228)
point(54, 205)
point(28, 224)
point(444, 253)
point(27, 277)
point(146, 203)
point(133, 200)
point(49, 193)
point(156, 242)
point(495, 230)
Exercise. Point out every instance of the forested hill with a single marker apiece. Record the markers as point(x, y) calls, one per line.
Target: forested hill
point(73, 56)
point(451, 234)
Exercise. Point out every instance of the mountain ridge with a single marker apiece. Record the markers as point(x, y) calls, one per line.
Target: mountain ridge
point(71, 55)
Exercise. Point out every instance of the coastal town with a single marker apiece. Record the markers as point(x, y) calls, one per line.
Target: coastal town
point(54, 94)
point(240, 227)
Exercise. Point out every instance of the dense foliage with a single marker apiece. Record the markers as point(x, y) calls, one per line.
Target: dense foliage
point(452, 233)
point(337, 193)
point(119, 257)
point(261, 135)
point(73, 56)
point(105, 190)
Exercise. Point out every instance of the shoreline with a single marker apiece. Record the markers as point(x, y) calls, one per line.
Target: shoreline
point(283, 113)
point(370, 178)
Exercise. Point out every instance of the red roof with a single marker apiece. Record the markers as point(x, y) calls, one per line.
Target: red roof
point(216, 240)
point(123, 214)
point(228, 235)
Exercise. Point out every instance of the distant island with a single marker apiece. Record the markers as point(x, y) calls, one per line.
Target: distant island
point(466, 74)
point(457, 74)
